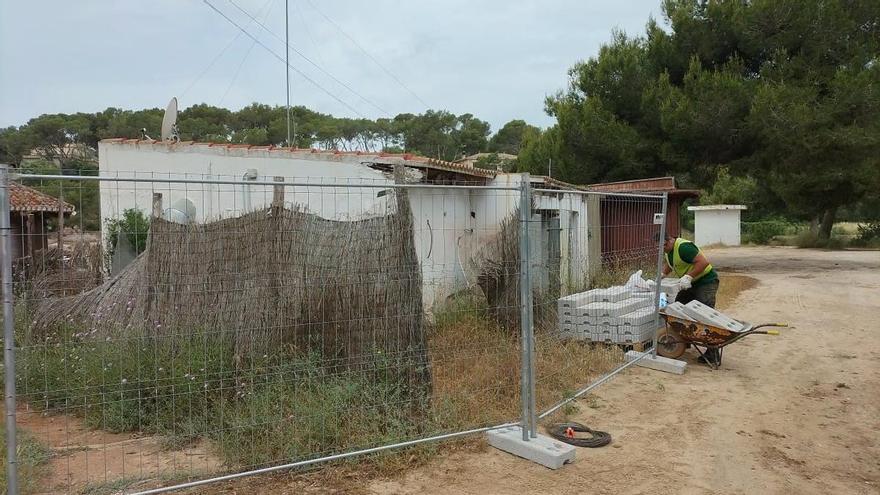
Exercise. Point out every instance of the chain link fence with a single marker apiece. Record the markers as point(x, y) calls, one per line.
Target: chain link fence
point(166, 332)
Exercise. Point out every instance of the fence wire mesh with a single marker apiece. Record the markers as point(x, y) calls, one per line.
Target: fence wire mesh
point(181, 328)
point(593, 299)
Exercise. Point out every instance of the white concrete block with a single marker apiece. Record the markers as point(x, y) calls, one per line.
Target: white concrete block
point(677, 309)
point(658, 363)
point(603, 333)
point(636, 333)
point(610, 294)
point(638, 317)
point(544, 450)
point(710, 316)
point(602, 309)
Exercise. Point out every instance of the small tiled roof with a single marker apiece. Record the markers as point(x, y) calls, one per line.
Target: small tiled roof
point(407, 159)
point(652, 185)
point(27, 199)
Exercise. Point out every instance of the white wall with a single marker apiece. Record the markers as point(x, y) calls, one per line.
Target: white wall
point(717, 227)
point(451, 225)
point(441, 219)
point(574, 235)
point(213, 201)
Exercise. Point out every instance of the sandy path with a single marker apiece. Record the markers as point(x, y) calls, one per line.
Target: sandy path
point(798, 413)
point(84, 458)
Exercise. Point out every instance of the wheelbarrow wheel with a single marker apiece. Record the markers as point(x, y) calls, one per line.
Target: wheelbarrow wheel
point(669, 343)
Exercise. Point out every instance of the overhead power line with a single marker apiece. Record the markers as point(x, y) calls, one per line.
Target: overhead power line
point(365, 52)
point(215, 59)
point(281, 59)
point(307, 59)
point(245, 57)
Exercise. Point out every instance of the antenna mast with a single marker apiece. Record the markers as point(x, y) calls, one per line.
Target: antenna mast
point(287, 63)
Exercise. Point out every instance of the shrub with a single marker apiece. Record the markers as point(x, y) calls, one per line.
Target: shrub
point(763, 232)
point(134, 225)
point(808, 239)
point(868, 235)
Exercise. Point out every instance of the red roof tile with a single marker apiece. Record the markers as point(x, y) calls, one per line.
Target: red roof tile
point(27, 199)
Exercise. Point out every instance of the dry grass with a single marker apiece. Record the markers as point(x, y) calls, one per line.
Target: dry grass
point(475, 372)
point(483, 374)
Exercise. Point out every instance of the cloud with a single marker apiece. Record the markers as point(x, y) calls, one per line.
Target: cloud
point(495, 59)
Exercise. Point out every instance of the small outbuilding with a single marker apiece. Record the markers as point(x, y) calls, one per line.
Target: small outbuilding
point(717, 224)
point(29, 213)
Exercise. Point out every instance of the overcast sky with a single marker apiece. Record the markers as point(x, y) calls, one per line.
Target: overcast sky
point(495, 59)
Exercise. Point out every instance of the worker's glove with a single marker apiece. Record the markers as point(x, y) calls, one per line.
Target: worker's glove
point(650, 284)
point(685, 282)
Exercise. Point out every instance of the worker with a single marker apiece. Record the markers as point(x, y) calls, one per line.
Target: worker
point(698, 280)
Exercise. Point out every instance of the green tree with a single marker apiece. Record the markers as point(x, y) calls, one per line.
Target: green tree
point(509, 138)
point(13, 145)
point(61, 137)
point(83, 195)
point(782, 91)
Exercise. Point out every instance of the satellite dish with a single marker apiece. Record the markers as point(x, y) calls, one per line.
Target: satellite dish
point(181, 211)
point(169, 122)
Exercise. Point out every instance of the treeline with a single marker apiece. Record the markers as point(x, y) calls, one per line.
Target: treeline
point(438, 134)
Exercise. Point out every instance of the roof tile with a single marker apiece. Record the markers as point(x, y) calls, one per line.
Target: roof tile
point(27, 199)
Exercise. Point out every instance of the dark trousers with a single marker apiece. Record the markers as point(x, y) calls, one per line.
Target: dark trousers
point(705, 293)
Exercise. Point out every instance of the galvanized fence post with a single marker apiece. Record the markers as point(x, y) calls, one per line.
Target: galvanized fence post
point(659, 276)
point(8, 331)
point(527, 385)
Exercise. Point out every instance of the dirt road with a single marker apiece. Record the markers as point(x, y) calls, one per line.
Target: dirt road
point(798, 413)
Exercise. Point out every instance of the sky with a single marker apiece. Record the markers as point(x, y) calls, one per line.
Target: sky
point(495, 59)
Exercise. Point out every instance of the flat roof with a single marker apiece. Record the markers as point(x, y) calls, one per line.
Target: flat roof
point(716, 207)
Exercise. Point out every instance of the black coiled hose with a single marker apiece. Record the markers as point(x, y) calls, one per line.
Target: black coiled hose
point(565, 432)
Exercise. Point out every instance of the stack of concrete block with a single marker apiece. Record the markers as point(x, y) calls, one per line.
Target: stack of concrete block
point(573, 318)
point(637, 326)
point(704, 314)
point(615, 315)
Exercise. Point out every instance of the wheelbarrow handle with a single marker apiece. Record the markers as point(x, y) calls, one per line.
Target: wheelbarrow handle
point(769, 332)
point(776, 325)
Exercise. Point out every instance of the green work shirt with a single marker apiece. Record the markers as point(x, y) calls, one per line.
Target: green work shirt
point(688, 251)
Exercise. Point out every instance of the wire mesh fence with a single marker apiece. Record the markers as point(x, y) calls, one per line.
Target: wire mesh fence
point(602, 259)
point(186, 329)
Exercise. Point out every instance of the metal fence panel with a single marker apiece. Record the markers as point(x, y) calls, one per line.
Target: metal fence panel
point(179, 330)
point(598, 244)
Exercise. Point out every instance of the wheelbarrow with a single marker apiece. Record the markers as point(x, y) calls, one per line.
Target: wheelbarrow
point(679, 333)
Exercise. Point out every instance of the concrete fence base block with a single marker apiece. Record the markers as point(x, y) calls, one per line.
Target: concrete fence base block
point(543, 450)
point(658, 363)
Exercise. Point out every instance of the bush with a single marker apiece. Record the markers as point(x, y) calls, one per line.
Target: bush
point(868, 235)
point(809, 239)
point(764, 232)
point(134, 225)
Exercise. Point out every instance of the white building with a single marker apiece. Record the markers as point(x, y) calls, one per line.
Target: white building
point(451, 225)
point(717, 224)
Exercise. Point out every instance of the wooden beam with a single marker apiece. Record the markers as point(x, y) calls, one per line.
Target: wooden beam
point(278, 193)
point(157, 205)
